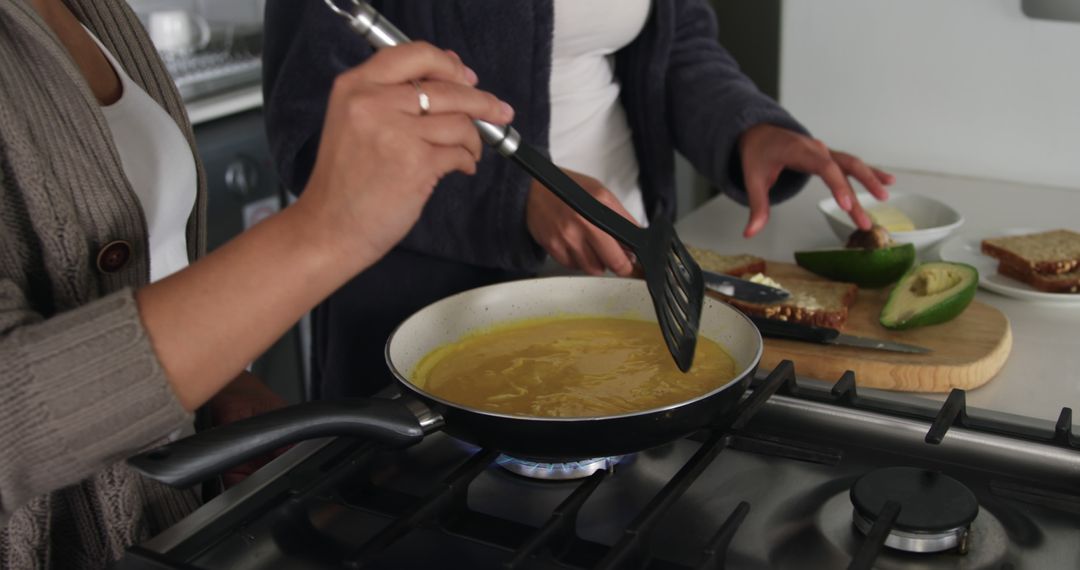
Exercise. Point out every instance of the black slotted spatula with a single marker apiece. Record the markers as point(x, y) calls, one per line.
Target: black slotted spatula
point(673, 277)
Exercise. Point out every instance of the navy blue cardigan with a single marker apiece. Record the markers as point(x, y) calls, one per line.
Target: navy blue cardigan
point(681, 91)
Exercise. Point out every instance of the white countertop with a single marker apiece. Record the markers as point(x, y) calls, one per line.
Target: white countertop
point(228, 103)
point(1043, 372)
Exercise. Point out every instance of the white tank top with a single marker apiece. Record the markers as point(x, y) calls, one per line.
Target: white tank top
point(160, 167)
point(589, 131)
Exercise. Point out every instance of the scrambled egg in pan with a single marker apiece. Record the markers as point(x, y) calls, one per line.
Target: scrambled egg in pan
point(570, 367)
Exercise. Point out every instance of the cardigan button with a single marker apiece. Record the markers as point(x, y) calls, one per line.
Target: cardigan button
point(114, 256)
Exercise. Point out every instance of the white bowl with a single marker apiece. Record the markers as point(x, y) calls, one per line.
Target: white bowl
point(934, 220)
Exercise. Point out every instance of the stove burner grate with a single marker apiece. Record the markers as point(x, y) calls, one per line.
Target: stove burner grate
point(344, 477)
point(935, 510)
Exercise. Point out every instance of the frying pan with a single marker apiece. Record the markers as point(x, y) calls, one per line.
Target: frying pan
point(405, 420)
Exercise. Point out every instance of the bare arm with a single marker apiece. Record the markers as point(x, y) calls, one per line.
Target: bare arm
point(207, 322)
point(85, 386)
point(379, 162)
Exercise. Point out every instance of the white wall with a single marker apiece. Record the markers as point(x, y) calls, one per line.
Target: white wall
point(969, 87)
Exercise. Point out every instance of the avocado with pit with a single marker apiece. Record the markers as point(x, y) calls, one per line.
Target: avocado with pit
point(871, 268)
point(929, 294)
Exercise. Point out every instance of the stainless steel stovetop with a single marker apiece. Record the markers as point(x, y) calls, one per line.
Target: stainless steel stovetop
point(768, 489)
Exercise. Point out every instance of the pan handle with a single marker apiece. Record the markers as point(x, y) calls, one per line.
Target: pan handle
point(187, 461)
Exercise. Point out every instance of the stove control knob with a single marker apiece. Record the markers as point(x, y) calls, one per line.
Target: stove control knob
point(242, 177)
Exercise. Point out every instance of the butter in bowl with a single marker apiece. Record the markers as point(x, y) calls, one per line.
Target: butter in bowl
point(910, 218)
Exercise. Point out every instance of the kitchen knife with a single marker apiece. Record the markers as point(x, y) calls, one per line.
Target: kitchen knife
point(742, 289)
point(823, 335)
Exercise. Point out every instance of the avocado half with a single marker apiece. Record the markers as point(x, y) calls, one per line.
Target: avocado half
point(871, 268)
point(929, 294)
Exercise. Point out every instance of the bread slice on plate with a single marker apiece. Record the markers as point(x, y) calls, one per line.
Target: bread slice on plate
point(812, 302)
point(734, 265)
point(1049, 253)
point(1050, 283)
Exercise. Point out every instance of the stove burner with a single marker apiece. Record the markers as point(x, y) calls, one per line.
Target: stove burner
point(556, 471)
point(935, 510)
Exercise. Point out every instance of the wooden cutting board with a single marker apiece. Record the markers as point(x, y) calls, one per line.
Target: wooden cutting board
point(967, 351)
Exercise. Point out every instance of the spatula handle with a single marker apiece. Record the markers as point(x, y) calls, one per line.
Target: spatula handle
point(380, 33)
point(554, 179)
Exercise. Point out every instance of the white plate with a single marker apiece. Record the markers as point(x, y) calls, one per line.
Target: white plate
point(967, 249)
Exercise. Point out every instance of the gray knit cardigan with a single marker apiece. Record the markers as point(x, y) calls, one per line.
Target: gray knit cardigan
point(80, 385)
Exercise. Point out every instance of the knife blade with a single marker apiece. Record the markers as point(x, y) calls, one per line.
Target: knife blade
point(823, 335)
point(742, 289)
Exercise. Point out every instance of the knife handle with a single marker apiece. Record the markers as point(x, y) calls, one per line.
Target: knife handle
point(794, 331)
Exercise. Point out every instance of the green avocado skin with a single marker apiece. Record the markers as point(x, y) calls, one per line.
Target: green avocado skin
point(948, 309)
point(863, 267)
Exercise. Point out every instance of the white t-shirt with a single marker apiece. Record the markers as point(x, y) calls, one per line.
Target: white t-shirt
point(589, 132)
point(160, 167)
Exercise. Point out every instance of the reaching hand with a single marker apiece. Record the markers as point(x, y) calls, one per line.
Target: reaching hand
point(766, 150)
point(569, 238)
point(380, 156)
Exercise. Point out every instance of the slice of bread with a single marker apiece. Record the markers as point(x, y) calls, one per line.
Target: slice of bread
point(812, 302)
point(1060, 283)
point(1050, 253)
point(727, 264)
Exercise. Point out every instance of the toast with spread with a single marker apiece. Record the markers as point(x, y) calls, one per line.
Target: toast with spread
point(812, 302)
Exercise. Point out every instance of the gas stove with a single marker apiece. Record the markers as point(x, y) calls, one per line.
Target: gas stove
point(802, 476)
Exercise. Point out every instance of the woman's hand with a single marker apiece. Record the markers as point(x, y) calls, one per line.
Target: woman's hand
point(569, 238)
point(766, 150)
point(380, 157)
point(378, 162)
point(244, 397)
